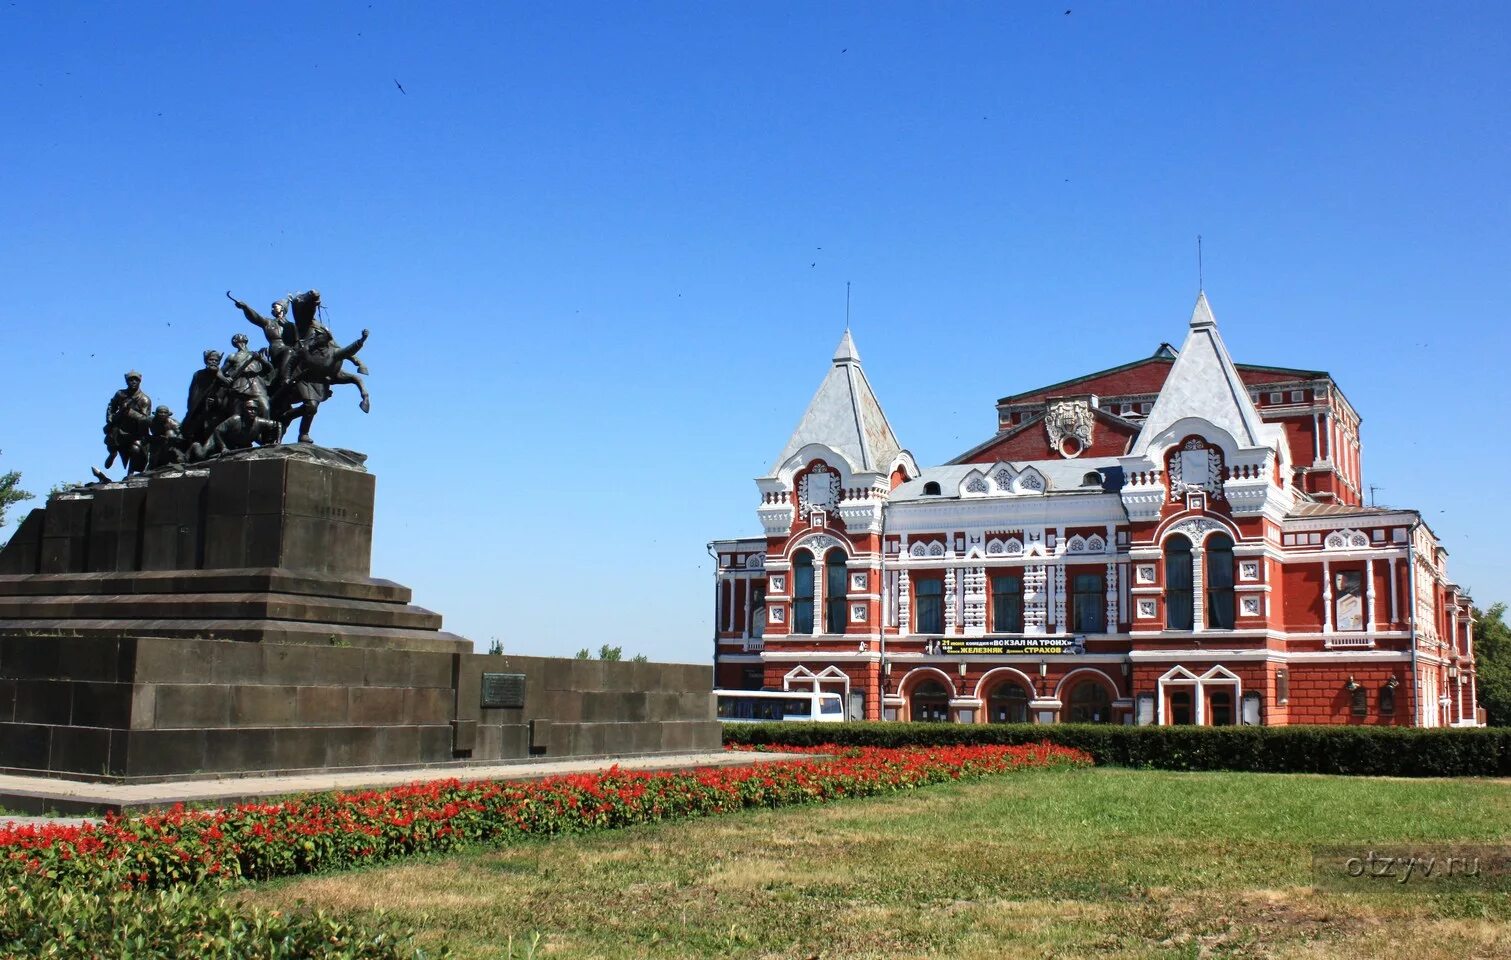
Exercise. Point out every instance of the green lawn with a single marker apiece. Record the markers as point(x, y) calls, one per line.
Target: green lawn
point(1105, 862)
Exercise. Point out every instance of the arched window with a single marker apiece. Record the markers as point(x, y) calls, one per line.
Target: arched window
point(1007, 604)
point(1219, 582)
point(931, 489)
point(928, 606)
point(1089, 703)
point(1180, 708)
point(1178, 603)
point(834, 591)
point(802, 592)
point(1008, 703)
point(1092, 479)
point(1220, 707)
point(929, 702)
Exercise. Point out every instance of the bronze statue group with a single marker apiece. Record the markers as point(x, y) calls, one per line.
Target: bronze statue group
point(249, 397)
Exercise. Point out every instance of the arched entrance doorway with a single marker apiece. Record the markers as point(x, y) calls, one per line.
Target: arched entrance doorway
point(1090, 703)
point(1007, 703)
point(929, 702)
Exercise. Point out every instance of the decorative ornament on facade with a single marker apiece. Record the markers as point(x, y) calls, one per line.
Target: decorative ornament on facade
point(1011, 547)
point(1195, 467)
point(818, 490)
point(1069, 424)
point(1251, 606)
point(756, 561)
point(1346, 540)
point(820, 544)
point(1248, 570)
point(978, 485)
point(1003, 478)
point(1031, 479)
point(1196, 527)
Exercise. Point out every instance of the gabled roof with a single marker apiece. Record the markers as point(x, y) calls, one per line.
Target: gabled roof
point(1163, 357)
point(845, 416)
point(1204, 383)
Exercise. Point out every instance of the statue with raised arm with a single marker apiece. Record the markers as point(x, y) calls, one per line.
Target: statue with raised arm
point(126, 418)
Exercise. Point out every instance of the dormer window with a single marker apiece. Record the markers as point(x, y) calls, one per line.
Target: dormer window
point(1092, 479)
point(931, 489)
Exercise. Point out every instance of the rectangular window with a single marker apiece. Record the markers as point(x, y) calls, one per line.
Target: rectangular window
point(928, 606)
point(1298, 395)
point(1274, 398)
point(1348, 587)
point(1088, 611)
point(1007, 604)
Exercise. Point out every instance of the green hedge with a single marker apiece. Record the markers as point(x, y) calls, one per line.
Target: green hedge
point(1371, 751)
point(41, 917)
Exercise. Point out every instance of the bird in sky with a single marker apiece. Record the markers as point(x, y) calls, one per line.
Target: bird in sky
point(400, 86)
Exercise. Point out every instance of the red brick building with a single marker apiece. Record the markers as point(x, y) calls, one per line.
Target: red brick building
point(1180, 539)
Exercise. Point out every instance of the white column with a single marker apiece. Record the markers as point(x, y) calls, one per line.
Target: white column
point(820, 574)
point(1327, 597)
point(904, 604)
point(1369, 596)
point(1057, 594)
point(1316, 438)
point(1198, 587)
point(1112, 597)
point(950, 600)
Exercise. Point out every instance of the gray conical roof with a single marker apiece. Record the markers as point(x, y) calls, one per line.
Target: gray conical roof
point(1204, 383)
point(845, 416)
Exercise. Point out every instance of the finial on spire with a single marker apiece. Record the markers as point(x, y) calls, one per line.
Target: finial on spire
point(847, 306)
point(1201, 283)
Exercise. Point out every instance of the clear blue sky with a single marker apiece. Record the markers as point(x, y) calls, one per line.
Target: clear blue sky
point(603, 247)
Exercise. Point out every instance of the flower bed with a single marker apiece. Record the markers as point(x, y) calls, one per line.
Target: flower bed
point(334, 831)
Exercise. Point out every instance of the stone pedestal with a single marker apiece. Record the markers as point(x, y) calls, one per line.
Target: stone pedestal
point(222, 619)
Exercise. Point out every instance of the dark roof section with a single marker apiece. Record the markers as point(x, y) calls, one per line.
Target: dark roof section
point(1163, 354)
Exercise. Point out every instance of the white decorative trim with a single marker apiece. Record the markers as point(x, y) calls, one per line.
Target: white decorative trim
point(1146, 609)
point(1346, 540)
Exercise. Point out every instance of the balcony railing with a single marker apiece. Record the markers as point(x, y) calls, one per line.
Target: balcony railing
point(1348, 641)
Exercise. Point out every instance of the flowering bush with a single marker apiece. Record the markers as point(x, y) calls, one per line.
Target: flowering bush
point(338, 830)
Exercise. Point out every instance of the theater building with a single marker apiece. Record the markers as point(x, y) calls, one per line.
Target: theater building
point(1177, 540)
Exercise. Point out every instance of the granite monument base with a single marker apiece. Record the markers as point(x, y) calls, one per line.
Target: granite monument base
point(221, 619)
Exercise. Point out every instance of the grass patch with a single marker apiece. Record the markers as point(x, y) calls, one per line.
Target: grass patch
point(1104, 862)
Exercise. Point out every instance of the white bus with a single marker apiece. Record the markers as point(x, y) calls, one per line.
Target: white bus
point(755, 706)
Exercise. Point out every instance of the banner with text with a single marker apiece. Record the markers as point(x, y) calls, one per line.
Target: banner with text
point(988, 646)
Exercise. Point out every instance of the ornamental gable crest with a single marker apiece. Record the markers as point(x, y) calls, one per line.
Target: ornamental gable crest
point(1069, 424)
point(1195, 466)
point(818, 490)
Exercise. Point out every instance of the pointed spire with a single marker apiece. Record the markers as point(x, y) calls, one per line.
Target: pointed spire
point(1202, 315)
point(1204, 384)
point(846, 352)
point(845, 416)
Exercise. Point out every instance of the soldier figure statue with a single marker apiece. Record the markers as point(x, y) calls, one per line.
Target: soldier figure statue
point(245, 375)
point(200, 413)
point(164, 441)
point(237, 432)
point(126, 419)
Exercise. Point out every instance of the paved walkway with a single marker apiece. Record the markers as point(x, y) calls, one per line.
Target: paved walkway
point(74, 796)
